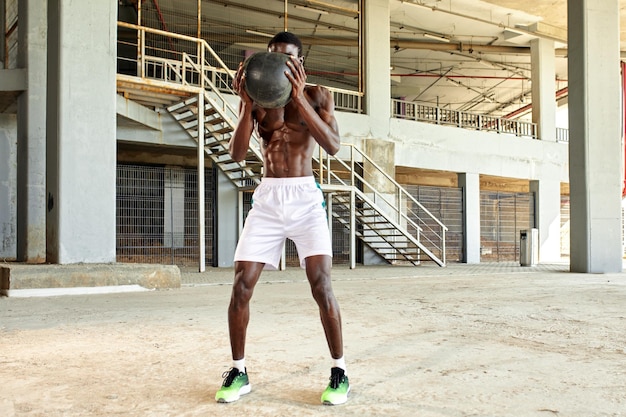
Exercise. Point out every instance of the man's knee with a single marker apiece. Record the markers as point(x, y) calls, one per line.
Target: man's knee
point(246, 277)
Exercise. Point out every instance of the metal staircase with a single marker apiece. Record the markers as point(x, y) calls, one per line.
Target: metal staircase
point(384, 216)
point(219, 124)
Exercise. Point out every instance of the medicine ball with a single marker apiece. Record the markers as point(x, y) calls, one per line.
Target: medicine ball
point(266, 82)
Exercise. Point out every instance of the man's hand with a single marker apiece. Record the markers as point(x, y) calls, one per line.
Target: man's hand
point(239, 83)
point(297, 78)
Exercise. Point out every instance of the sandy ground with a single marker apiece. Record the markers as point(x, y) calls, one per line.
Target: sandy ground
point(455, 343)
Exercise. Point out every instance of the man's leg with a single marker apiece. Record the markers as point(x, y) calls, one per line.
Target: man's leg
point(236, 381)
point(318, 272)
point(246, 276)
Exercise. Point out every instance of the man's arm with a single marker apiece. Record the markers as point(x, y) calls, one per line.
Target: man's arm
point(240, 141)
point(321, 123)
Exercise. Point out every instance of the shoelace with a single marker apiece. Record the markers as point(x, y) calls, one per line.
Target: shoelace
point(229, 376)
point(336, 378)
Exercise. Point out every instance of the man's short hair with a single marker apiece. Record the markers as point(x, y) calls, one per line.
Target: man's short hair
point(286, 37)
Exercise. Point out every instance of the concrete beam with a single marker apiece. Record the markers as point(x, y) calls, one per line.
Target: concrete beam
point(138, 113)
point(13, 79)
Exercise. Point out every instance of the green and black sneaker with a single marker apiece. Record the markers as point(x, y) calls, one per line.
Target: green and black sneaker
point(235, 385)
point(338, 388)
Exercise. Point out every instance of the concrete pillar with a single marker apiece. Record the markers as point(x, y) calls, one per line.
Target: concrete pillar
point(548, 215)
point(226, 231)
point(8, 192)
point(595, 149)
point(543, 88)
point(470, 183)
point(382, 152)
point(3, 25)
point(81, 143)
point(31, 134)
point(377, 62)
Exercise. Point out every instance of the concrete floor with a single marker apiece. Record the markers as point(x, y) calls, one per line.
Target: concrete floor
point(466, 340)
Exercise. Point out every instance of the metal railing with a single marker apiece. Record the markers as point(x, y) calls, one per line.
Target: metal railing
point(359, 171)
point(562, 135)
point(412, 111)
point(153, 61)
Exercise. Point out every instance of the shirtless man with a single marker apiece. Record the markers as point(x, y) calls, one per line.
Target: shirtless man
point(287, 203)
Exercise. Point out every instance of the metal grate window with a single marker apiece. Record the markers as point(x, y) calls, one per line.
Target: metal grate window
point(157, 215)
point(502, 216)
point(446, 204)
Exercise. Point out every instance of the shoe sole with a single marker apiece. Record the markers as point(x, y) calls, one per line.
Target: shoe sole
point(242, 391)
point(345, 399)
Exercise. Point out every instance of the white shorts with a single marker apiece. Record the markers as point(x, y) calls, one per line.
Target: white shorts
point(282, 208)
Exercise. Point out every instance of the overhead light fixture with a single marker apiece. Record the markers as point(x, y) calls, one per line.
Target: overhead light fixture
point(310, 9)
point(515, 31)
point(436, 37)
point(254, 32)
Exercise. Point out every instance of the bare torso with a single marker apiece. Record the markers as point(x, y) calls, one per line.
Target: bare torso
point(287, 144)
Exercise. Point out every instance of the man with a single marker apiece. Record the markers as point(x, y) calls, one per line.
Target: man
point(287, 203)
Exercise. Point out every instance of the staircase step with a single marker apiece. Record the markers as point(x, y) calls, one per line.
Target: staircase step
point(226, 129)
point(182, 105)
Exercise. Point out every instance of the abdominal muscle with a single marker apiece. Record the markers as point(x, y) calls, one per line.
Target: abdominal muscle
point(287, 152)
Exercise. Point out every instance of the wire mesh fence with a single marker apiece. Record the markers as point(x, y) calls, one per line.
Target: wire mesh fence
point(157, 215)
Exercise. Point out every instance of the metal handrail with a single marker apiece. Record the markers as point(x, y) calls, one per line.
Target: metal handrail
point(227, 110)
point(402, 109)
point(401, 212)
point(346, 100)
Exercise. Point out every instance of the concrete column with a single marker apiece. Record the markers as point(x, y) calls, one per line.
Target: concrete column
point(8, 192)
point(548, 215)
point(543, 89)
point(377, 61)
point(81, 143)
point(382, 152)
point(470, 183)
point(3, 25)
point(595, 148)
point(227, 230)
point(31, 134)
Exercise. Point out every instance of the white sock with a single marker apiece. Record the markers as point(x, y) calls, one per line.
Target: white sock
point(240, 364)
point(340, 363)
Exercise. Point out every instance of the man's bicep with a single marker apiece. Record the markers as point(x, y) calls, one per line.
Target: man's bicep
point(327, 108)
